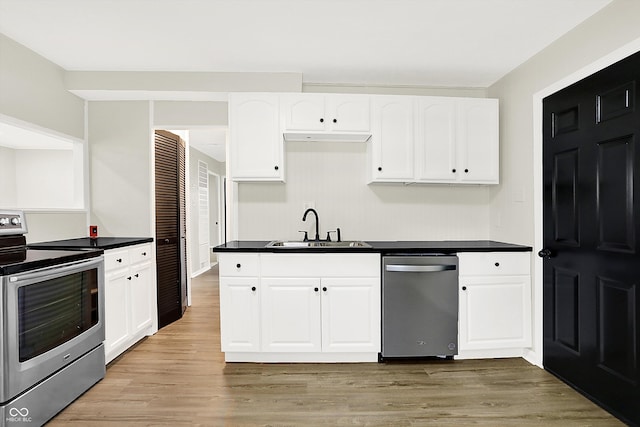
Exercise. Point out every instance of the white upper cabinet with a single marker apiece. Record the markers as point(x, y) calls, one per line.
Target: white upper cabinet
point(412, 139)
point(256, 146)
point(457, 140)
point(320, 116)
point(477, 141)
point(392, 143)
point(436, 139)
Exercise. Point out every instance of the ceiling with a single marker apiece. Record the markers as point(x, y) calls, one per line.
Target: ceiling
point(434, 43)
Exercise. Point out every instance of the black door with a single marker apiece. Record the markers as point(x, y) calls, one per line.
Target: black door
point(591, 236)
point(170, 227)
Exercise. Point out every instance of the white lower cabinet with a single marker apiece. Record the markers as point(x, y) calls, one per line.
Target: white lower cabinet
point(495, 304)
point(328, 314)
point(239, 314)
point(299, 307)
point(129, 298)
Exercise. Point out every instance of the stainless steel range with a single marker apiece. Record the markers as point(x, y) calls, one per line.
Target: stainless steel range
point(51, 324)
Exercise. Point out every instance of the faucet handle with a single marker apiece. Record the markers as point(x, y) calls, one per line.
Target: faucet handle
point(329, 235)
point(306, 236)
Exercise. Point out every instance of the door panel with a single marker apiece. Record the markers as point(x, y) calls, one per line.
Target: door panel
point(170, 250)
point(591, 225)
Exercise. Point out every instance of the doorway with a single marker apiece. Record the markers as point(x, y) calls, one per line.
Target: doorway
point(170, 227)
point(591, 232)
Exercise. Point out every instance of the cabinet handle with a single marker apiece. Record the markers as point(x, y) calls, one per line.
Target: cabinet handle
point(466, 171)
point(253, 288)
point(137, 275)
point(321, 120)
point(379, 168)
point(144, 254)
point(129, 278)
point(324, 288)
point(497, 264)
point(335, 120)
point(315, 289)
point(464, 288)
point(276, 167)
point(238, 265)
point(119, 260)
point(453, 170)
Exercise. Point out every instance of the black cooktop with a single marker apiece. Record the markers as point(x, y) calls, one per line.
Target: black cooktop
point(21, 259)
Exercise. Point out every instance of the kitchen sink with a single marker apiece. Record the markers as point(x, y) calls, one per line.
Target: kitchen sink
point(289, 244)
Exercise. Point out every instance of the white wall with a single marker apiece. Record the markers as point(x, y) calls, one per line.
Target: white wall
point(512, 206)
point(32, 89)
point(46, 226)
point(120, 148)
point(7, 177)
point(332, 175)
point(189, 113)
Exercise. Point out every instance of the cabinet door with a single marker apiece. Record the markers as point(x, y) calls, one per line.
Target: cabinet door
point(351, 315)
point(142, 297)
point(478, 151)
point(304, 112)
point(392, 139)
point(495, 312)
point(256, 148)
point(347, 113)
point(436, 140)
point(116, 303)
point(291, 315)
point(239, 314)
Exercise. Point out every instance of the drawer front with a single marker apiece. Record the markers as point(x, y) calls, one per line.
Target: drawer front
point(238, 264)
point(116, 258)
point(140, 253)
point(320, 265)
point(494, 263)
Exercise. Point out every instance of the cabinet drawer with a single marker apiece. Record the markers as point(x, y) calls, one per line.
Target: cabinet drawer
point(140, 253)
point(494, 263)
point(238, 264)
point(116, 258)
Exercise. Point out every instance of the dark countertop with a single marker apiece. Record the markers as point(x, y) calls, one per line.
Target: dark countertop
point(385, 247)
point(88, 243)
point(21, 260)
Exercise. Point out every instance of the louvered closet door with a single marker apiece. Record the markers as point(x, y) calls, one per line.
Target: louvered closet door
point(170, 227)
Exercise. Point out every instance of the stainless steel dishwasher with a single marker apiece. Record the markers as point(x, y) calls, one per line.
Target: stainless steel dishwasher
point(419, 305)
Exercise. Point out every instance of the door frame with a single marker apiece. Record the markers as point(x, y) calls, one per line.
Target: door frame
point(535, 354)
point(219, 184)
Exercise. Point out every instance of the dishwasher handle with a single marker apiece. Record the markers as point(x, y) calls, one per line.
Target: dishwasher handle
point(402, 268)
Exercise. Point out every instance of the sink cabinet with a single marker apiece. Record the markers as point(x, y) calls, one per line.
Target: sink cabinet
point(300, 307)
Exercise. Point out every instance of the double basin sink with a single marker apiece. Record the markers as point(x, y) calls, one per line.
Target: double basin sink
point(290, 244)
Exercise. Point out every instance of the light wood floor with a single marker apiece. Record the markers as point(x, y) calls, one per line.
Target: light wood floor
point(178, 378)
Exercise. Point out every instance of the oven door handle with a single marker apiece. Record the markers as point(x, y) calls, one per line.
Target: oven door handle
point(55, 270)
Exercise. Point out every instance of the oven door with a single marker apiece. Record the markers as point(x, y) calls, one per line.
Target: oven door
point(52, 316)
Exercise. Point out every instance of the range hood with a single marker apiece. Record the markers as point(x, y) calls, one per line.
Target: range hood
point(326, 136)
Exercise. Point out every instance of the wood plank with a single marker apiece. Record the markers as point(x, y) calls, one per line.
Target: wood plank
point(178, 377)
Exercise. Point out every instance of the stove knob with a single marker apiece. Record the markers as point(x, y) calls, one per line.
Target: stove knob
point(4, 221)
point(15, 221)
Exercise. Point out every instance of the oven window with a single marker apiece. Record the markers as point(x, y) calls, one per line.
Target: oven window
point(54, 311)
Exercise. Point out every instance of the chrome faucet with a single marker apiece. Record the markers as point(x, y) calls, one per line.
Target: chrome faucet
point(304, 218)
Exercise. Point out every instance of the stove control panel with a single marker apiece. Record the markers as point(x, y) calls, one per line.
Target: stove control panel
point(12, 222)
